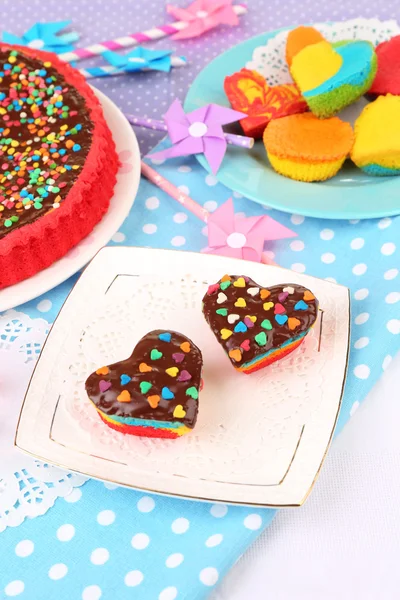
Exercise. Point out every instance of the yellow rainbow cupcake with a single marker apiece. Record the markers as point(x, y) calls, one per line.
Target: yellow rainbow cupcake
point(306, 148)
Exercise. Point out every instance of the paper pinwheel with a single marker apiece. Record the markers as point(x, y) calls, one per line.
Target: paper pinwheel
point(241, 237)
point(138, 59)
point(198, 132)
point(203, 15)
point(44, 36)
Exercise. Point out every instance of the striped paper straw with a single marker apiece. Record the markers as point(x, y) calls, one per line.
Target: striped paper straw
point(235, 140)
point(133, 39)
point(109, 70)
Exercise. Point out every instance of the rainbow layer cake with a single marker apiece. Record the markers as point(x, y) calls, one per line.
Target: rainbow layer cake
point(58, 162)
point(306, 148)
point(333, 76)
point(249, 93)
point(153, 393)
point(377, 137)
point(255, 325)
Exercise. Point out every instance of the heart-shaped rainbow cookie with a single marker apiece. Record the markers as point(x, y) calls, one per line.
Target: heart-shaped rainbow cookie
point(271, 322)
point(153, 393)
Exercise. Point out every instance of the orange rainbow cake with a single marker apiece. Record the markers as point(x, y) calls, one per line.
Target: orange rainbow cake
point(299, 38)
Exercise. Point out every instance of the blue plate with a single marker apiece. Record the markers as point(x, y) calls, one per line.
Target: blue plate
point(352, 194)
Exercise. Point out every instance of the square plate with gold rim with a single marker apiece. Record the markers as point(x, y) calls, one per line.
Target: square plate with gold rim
point(260, 439)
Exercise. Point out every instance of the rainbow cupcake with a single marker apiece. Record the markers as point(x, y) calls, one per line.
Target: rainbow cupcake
point(332, 76)
point(377, 137)
point(306, 148)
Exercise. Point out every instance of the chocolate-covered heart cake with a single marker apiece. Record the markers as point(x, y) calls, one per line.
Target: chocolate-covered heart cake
point(58, 162)
point(155, 391)
point(257, 325)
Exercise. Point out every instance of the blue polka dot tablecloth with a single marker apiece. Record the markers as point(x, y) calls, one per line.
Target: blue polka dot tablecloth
point(113, 543)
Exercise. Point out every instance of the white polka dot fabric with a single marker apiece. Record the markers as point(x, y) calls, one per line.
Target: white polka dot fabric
point(103, 542)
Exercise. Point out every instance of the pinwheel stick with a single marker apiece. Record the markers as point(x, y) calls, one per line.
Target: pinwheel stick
point(133, 39)
point(231, 138)
point(109, 70)
point(186, 201)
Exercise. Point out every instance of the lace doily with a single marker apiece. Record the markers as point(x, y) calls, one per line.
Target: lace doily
point(28, 488)
point(269, 60)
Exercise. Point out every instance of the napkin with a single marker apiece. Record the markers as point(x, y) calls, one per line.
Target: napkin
point(107, 542)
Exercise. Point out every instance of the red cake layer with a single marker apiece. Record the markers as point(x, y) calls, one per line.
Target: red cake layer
point(35, 246)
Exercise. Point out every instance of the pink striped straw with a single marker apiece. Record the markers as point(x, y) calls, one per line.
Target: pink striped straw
point(231, 138)
point(186, 201)
point(133, 39)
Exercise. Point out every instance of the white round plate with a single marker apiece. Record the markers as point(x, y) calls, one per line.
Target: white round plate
point(125, 190)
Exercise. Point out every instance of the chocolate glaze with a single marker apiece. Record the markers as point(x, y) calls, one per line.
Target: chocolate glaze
point(139, 406)
point(278, 335)
point(21, 133)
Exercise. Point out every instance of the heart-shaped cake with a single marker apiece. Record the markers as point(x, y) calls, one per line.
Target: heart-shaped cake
point(58, 162)
point(387, 80)
point(257, 325)
point(154, 392)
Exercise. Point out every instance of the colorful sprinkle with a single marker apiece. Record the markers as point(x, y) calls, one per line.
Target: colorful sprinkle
point(235, 354)
point(281, 319)
point(253, 291)
point(145, 386)
point(279, 309)
point(226, 278)
point(308, 296)
point(241, 327)
point(143, 368)
point(226, 333)
point(212, 288)
point(221, 298)
point(124, 396)
point(103, 371)
point(248, 322)
point(261, 338)
point(264, 294)
point(172, 371)
point(240, 283)
point(165, 337)
point(179, 413)
point(155, 354)
point(178, 357)
point(233, 318)
point(185, 347)
point(300, 305)
point(282, 296)
point(192, 392)
point(224, 285)
point(245, 345)
point(268, 305)
point(289, 290)
point(293, 323)
point(184, 376)
point(153, 400)
point(266, 324)
point(222, 311)
point(104, 385)
point(167, 394)
point(125, 379)
point(240, 303)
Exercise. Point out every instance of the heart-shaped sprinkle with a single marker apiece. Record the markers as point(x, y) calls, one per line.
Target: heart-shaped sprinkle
point(222, 311)
point(240, 303)
point(261, 338)
point(266, 324)
point(248, 322)
point(179, 413)
point(192, 392)
point(253, 291)
point(124, 396)
point(224, 285)
point(185, 347)
point(165, 337)
point(143, 368)
point(265, 294)
point(178, 357)
point(300, 305)
point(279, 309)
point(293, 323)
point(289, 289)
point(104, 385)
point(103, 371)
point(240, 327)
point(308, 296)
point(212, 288)
point(240, 282)
point(125, 379)
point(226, 278)
point(221, 298)
point(268, 305)
point(226, 333)
point(281, 319)
point(155, 354)
point(282, 296)
point(235, 354)
point(167, 394)
point(172, 371)
point(145, 386)
point(245, 345)
point(233, 318)
point(184, 376)
point(252, 318)
point(153, 400)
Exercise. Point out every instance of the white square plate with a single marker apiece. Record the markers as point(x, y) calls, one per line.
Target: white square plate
point(260, 439)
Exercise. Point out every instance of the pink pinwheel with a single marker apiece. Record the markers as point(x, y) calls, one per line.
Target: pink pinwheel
point(203, 15)
point(198, 132)
point(241, 237)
